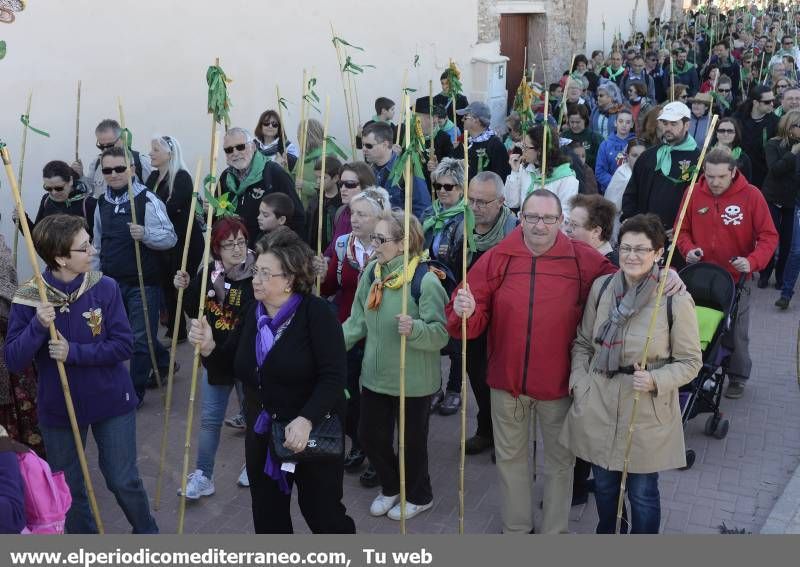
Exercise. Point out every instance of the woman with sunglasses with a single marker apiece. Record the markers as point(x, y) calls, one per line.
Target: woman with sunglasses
point(442, 225)
point(341, 269)
point(729, 135)
point(172, 183)
point(65, 193)
point(354, 177)
point(269, 133)
point(230, 294)
point(376, 316)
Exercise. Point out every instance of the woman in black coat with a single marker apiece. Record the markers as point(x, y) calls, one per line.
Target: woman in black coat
point(290, 354)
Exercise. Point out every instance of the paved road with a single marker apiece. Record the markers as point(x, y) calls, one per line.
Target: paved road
point(735, 481)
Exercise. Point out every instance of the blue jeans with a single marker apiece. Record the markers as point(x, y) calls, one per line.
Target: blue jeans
point(215, 402)
point(793, 261)
point(643, 496)
point(116, 447)
point(140, 361)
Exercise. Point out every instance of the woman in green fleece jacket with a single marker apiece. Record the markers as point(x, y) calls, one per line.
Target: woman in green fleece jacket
point(375, 315)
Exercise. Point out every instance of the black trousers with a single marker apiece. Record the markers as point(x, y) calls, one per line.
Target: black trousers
point(580, 478)
point(477, 366)
point(379, 412)
point(783, 217)
point(354, 358)
point(319, 487)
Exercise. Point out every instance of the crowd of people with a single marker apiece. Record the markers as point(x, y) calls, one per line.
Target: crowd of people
point(566, 225)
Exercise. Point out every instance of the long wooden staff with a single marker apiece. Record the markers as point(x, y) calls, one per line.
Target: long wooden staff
point(19, 175)
point(404, 311)
point(563, 111)
point(546, 124)
point(303, 135)
point(760, 68)
point(282, 125)
point(464, 397)
point(651, 328)
point(62, 373)
point(78, 125)
point(200, 309)
point(403, 108)
point(671, 77)
point(321, 203)
point(351, 127)
point(138, 254)
point(174, 346)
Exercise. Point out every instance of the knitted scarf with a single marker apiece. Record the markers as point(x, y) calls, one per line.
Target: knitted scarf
point(664, 154)
point(440, 216)
point(626, 302)
point(497, 233)
point(393, 280)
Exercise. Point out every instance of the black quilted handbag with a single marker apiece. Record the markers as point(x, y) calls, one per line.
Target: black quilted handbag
point(325, 442)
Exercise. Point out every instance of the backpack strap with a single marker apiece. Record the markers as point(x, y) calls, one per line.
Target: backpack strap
point(340, 246)
point(670, 317)
point(416, 280)
point(603, 287)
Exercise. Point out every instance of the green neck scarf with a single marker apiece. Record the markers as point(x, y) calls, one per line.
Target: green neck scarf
point(614, 74)
point(686, 67)
point(254, 175)
point(446, 127)
point(736, 152)
point(664, 154)
point(559, 172)
point(74, 197)
point(440, 217)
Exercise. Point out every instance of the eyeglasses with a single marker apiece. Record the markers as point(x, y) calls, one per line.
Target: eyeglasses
point(237, 147)
point(726, 131)
point(48, 189)
point(446, 186)
point(770, 102)
point(103, 147)
point(477, 203)
point(638, 250)
point(534, 219)
point(84, 249)
point(570, 225)
point(264, 275)
point(118, 169)
point(349, 184)
point(368, 146)
point(271, 124)
point(527, 147)
point(380, 239)
point(789, 43)
point(235, 244)
point(723, 90)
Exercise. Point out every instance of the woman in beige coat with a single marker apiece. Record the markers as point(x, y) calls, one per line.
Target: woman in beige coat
point(605, 375)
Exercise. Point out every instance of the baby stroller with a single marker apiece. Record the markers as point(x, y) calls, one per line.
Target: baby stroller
point(716, 298)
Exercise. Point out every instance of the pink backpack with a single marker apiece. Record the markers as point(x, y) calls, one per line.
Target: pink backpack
point(47, 496)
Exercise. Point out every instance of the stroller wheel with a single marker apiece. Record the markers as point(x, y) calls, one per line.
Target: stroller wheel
point(722, 429)
point(711, 425)
point(690, 457)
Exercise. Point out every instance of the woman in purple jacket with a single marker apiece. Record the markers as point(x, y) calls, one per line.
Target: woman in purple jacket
point(94, 341)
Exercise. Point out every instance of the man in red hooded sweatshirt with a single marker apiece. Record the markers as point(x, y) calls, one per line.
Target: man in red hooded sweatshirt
point(728, 223)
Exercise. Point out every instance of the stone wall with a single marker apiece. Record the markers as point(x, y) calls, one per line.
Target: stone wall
point(488, 21)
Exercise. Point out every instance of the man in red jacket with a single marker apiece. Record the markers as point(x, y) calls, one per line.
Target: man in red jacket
point(728, 223)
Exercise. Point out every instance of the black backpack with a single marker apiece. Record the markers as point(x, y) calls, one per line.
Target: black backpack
point(440, 269)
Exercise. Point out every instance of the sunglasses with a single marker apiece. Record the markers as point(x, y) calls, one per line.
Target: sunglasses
point(118, 169)
point(368, 146)
point(348, 184)
point(771, 101)
point(48, 189)
point(271, 124)
point(446, 186)
point(726, 131)
point(237, 147)
point(723, 90)
point(103, 147)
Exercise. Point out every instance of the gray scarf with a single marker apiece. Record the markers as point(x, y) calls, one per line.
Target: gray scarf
point(626, 302)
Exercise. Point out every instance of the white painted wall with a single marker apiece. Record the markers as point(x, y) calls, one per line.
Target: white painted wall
point(617, 15)
point(154, 54)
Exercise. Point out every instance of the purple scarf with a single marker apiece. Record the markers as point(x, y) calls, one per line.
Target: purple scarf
point(268, 326)
point(265, 339)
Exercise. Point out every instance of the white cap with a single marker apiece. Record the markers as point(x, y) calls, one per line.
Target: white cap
point(675, 111)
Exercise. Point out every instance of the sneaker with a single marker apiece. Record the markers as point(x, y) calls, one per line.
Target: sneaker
point(237, 422)
point(369, 478)
point(735, 390)
point(477, 444)
point(783, 303)
point(411, 510)
point(436, 400)
point(354, 460)
point(243, 480)
point(451, 403)
point(197, 485)
point(383, 504)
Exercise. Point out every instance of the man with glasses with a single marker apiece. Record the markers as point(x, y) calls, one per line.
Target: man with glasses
point(788, 48)
point(109, 135)
point(113, 237)
point(789, 101)
point(727, 65)
point(251, 175)
point(637, 72)
point(759, 124)
point(486, 150)
point(378, 153)
point(728, 223)
point(658, 74)
point(726, 101)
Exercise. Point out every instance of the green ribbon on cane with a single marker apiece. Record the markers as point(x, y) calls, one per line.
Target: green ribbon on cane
point(25, 119)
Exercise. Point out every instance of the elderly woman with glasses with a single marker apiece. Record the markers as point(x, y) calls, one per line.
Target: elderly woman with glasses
point(606, 375)
point(376, 316)
point(290, 354)
point(443, 227)
point(229, 296)
point(94, 343)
